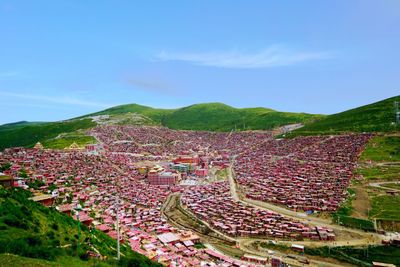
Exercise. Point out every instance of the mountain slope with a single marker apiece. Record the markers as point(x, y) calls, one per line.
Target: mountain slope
point(31, 230)
point(18, 124)
point(154, 114)
point(221, 117)
point(375, 117)
point(28, 135)
point(209, 116)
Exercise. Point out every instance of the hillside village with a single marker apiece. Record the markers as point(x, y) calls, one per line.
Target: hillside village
point(200, 133)
point(120, 186)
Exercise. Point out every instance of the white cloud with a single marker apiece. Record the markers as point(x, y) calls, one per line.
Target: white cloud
point(66, 100)
point(272, 56)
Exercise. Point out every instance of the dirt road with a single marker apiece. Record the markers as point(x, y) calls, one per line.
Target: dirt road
point(382, 185)
point(348, 236)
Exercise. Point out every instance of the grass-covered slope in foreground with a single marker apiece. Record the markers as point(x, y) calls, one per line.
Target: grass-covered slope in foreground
point(376, 117)
point(31, 230)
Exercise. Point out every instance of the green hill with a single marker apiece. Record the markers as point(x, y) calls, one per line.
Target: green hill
point(221, 117)
point(376, 117)
point(31, 230)
point(29, 134)
point(209, 116)
point(154, 114)
point(18, 124)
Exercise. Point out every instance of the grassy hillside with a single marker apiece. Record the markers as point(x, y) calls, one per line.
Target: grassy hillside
point(382, 148)
point(221, 117)
point(155, 114)
point(380, 162)
point(31, 230)
point(357, 256)
point(19, 124)
point(210, 116)
point(376, 117)
point(7, 260)
point(30, 134)
point(65, 140)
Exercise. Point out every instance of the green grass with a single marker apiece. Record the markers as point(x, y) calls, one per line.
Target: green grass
point(392, 185)
point(31, 230)
point(221, 117)
point(67, 140)
point(382, 148)
point(343, 215)
point(18, 124)
point(7, 260)
point(27, 136)
point(356, 223)
point(210, 116)
point(376, 117)
point(359, 256)
point(346, 207)
point(154, 114)
point(14, 260)
point(213, 116)
point(385, 208)
point(199, 245)
point(380, 172)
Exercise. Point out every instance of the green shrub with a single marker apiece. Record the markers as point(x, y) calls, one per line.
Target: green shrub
point(34, 241)
point(11, 220)
point(50, 235)
point(352, 222)
point(54, 226)
point(84, 256)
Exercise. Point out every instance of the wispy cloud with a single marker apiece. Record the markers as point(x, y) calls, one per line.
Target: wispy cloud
point(272, 56)
point(66, 100)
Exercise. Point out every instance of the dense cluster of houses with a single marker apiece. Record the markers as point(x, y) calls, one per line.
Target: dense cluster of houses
point(305, 173)
point(308, 173)
point(106, 189)
point(238, 219)
point(162, 141)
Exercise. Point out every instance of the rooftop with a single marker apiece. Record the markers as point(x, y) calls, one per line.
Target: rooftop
point(41, 197)
point(168, 238)
point(5, 178)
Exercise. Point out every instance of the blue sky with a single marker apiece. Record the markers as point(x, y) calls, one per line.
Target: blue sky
point(60, 59)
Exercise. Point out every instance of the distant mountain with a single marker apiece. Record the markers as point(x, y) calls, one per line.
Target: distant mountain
point(153, 115)
point(375, 117)
point(221, 117)
point(27, 135)
point(18, 124)
point(209, 116)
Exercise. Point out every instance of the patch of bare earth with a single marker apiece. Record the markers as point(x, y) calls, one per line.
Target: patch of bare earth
point(361, 203)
